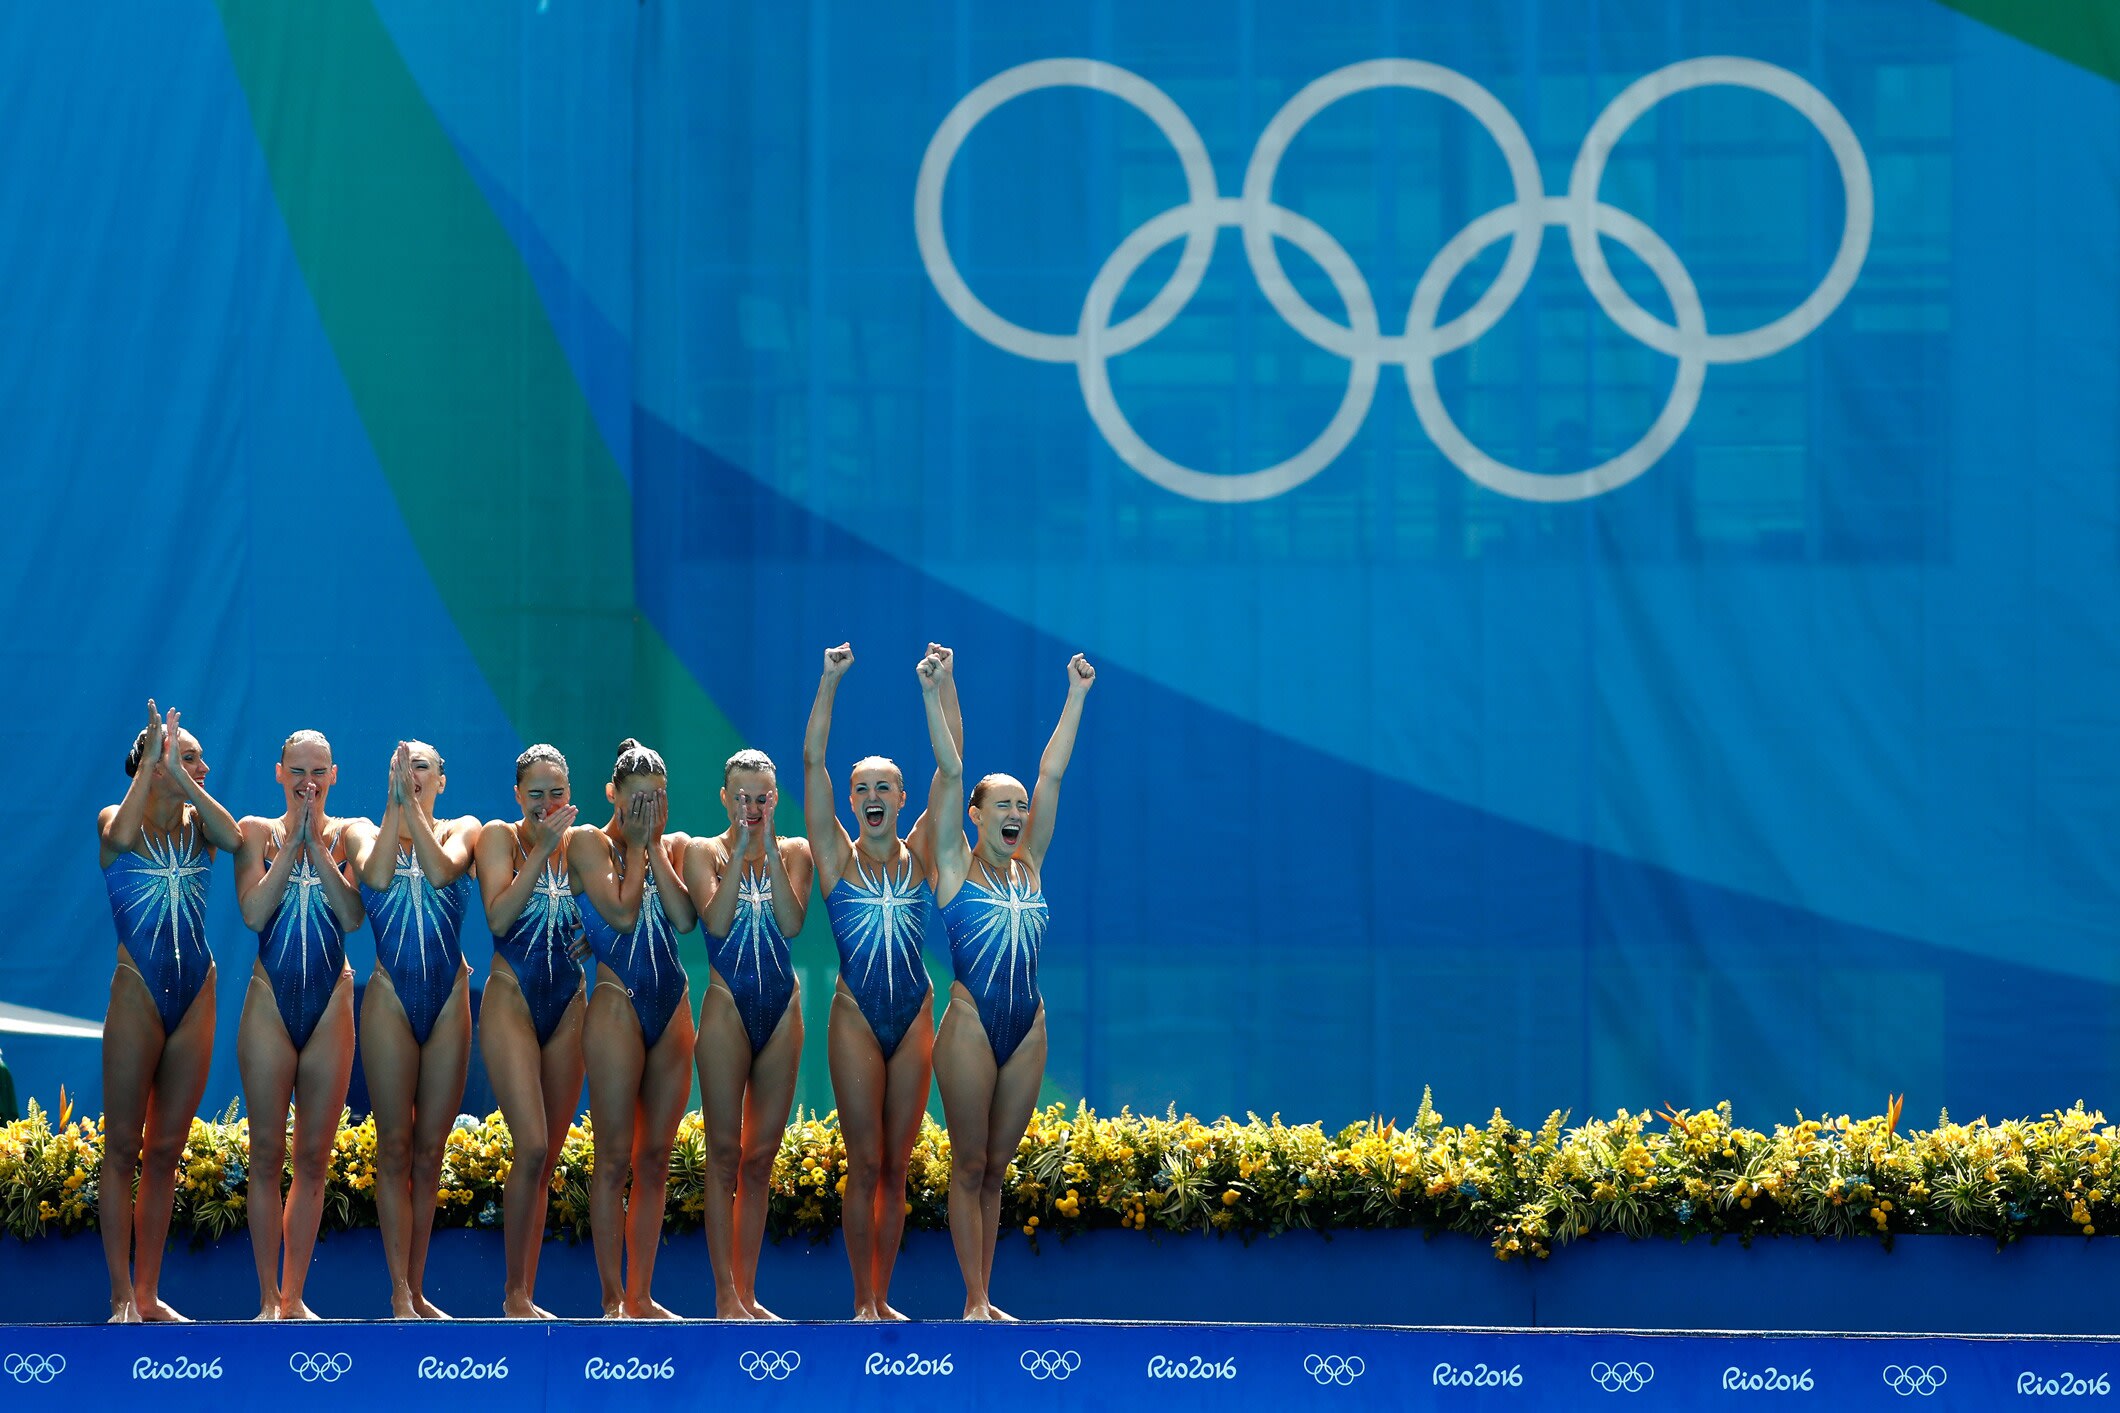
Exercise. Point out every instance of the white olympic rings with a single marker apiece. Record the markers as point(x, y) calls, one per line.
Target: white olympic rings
point(1361, 340)
point(311, 1367)
point(34, 1368)
point(1334, 1369)
point(763, 1364)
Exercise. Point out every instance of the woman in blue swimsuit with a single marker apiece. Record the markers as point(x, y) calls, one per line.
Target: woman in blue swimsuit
point(881, 1037)
point(158, 846)
point(757, 887)
point(637, 1035)
point(295, 1040)
point(530, 1028)
point(990, 1054)
point(415, 880)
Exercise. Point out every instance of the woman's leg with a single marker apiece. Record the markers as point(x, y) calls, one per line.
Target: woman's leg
point(1015, 1097)
point(964, 1071)
point(390, 1058)
point(765, 1119)
point(326, 1064)
point(267, 1061)
point(857, 1088)
point(562, 1067)
point(723, 1058)
point(907, 1079)
point(507, 1040)
point(180, 1082)
point(664, 1088)
point(132, 1051)
point(444, 1059)
point(612, 1050)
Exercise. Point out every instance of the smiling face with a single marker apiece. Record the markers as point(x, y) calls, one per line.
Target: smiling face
point(305, 771)
point(1002, 813)
point(877, 793)
point(542, 789)
point(190, 759)
point(748, 796)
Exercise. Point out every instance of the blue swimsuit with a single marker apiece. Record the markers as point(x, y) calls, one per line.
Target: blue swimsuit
point(417, 939)
point(994, 937)
point(158, 900)
point(303, 949)
point(539, 945)
point(645, 960)
point(878, 920)
point(753, 960)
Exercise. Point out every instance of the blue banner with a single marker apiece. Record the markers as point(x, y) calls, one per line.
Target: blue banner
point(503, 1366)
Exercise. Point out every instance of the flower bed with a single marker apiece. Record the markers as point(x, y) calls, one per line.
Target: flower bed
point(1526, 1191)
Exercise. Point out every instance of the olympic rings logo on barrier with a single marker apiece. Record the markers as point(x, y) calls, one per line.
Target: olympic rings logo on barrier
point(311, 1368)
point(763, 1364)
point(1050, 1363)
point(33, 1368)
point(1622, 1377)
point(1332, 1369)
point(1914, 1379)
point(1096, 339)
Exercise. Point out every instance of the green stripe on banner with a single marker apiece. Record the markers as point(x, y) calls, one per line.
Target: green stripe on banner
point(517, 506)
point(2084, 32)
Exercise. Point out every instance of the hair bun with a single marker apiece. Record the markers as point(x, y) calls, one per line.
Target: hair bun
point(629, 744)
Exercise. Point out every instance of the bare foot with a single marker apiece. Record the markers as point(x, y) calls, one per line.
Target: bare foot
point(539, 1312)
point(866, 1312)
point(758, 1311)
point(978, 1310)
point(124, 1312)
point(153, 1309)
point(616, 1310)
point(521, 1307)
point(298, 1311)
point(647, 1310)
point(889, 1312)
point(427, 1309)
point(401, 1306)
point(270, 1310)
point(995, 1312)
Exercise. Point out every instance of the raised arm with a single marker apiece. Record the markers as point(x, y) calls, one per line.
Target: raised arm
point(917, 839)
point(946, 793)
point(1045, 796)
point(616, 898)
point(829, 845)
point(789, 868)
point(505, 889)
point(118, 827)
point(669, 877)
point(215, 822)
point(258, 888)
point(721, 872)
point(374, 857)
point(339, 889)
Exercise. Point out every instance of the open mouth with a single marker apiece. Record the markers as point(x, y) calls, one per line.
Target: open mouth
point(1009, 833)
point(873, 816)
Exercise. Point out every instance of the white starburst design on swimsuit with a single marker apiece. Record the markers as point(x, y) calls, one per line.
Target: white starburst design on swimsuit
point(167, 892)
point(652, 929)
point(549, 919)
point(1010, 932)
point(412, 911)
point(304, 905)
point(888, 919)
point(749, 936)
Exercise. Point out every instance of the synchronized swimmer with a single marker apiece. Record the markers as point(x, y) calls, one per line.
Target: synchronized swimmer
point(556, 894)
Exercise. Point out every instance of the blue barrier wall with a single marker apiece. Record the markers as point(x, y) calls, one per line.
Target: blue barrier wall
point(566, 371)
point(1950, 1285)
